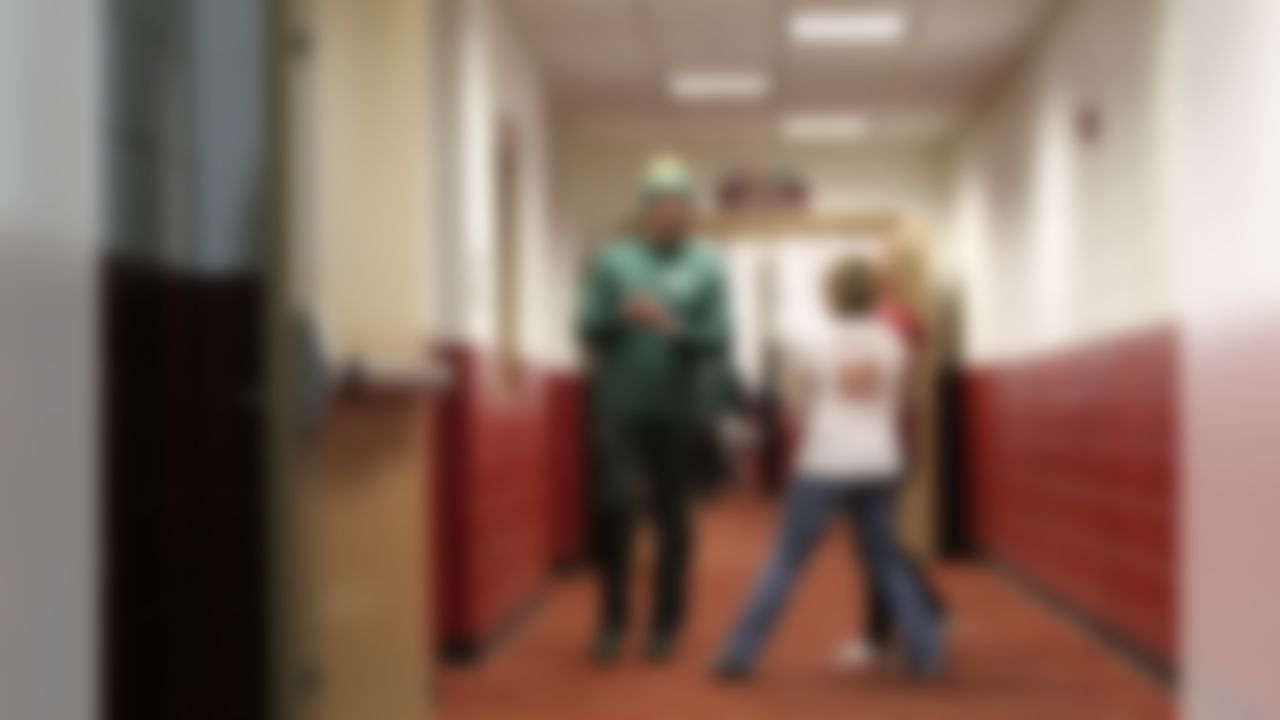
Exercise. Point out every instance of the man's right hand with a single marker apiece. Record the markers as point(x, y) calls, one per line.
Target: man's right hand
point(646, 312)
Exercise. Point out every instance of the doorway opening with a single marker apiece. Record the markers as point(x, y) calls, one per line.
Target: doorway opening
point(508, 258)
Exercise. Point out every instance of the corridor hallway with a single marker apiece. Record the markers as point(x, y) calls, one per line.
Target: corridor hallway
point(1009, 656)
point(302, 426)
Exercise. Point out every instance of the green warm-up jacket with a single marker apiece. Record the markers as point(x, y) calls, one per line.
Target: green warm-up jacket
point(640, 373)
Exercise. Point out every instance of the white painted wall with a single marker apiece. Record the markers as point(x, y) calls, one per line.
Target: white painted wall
point(496, 84)
point(51, 237)
point(1060, 240)
point(1228, 139)
point(1227, 90)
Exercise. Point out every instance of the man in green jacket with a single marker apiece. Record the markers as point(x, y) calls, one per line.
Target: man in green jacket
point(653, 316)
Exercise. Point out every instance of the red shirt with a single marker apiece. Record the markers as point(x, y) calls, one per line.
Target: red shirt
point(904, 320)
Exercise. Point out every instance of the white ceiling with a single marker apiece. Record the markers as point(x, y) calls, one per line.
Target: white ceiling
point(608, 61)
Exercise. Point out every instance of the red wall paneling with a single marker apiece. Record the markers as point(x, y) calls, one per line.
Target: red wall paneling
point(566, 453)
point(1074, 480)
point(491, 468)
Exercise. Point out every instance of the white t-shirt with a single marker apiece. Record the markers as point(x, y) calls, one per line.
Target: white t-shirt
point(852, 436)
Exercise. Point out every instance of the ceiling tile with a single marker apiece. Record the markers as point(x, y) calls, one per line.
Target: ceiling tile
point(587, 38)
point(957, 26)
point(802, 87)
point(916, 123)
point(908, 6)
point(715, 34)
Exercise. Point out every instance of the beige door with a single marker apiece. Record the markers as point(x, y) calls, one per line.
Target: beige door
point(358, 134)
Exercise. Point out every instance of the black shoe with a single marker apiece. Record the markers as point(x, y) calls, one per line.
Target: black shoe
point(608, 646)
point(662, 645)
point(730, 673)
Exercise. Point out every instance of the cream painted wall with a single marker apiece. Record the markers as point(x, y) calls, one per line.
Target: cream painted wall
point(1060, 240)
point(362, 184)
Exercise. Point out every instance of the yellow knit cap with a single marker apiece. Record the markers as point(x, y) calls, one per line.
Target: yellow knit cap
point(666, 175)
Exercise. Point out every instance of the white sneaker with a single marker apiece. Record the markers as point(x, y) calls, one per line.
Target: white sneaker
point(856, 654)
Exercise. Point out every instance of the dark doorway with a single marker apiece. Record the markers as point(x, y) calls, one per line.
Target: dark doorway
point(185, 483)
point(955, 538)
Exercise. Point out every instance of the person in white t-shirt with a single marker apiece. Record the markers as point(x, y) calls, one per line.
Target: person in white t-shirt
point(849, 378)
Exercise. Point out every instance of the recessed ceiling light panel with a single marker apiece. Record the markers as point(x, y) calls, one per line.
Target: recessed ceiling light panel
point(848, 27)
point(719, 86)
point(824, 127)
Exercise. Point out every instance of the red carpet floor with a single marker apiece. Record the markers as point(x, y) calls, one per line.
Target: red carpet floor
point(1008, 656)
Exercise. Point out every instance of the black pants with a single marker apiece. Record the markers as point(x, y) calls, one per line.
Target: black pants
point(643, 464)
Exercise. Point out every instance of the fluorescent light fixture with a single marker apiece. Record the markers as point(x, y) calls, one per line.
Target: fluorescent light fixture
point(708, 86)
point(848, 27)
point(825, 127)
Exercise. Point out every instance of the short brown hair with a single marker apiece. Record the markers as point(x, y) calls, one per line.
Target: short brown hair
point(853, 287)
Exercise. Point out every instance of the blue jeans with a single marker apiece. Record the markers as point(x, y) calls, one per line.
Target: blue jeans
point(810, 507)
